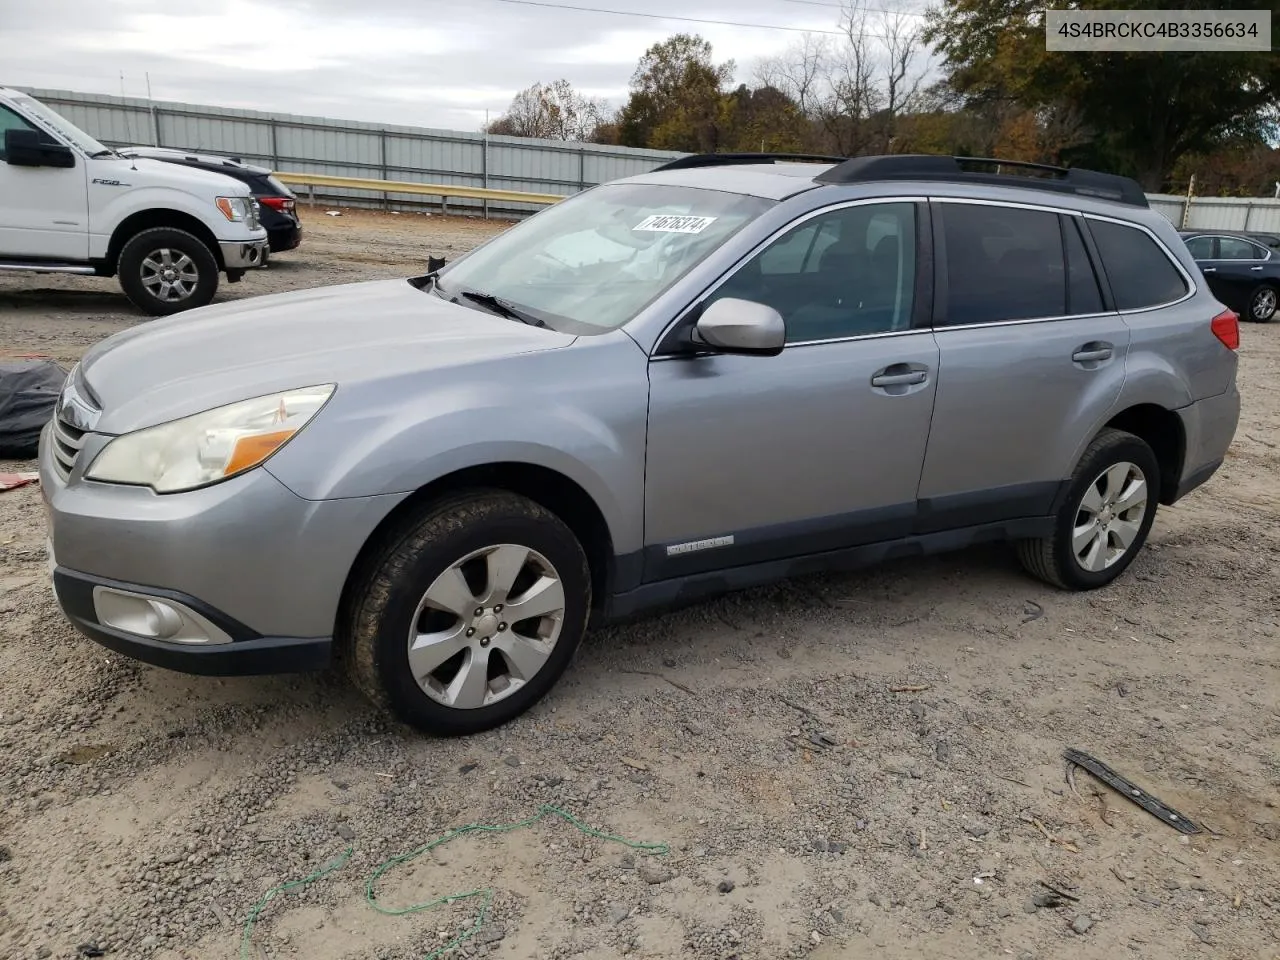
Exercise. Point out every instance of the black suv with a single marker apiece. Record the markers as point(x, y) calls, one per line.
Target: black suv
point(279, 204)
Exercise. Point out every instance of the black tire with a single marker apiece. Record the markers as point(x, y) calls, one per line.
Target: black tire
point(136, 253)
point(1257, 297)
point(380, 611)
point(1053, 559)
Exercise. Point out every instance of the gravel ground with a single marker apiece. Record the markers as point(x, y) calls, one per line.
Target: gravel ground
point(838, 765)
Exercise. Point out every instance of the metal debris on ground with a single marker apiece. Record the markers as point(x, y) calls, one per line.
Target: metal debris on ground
point(1033, 611)
point(1122, 785)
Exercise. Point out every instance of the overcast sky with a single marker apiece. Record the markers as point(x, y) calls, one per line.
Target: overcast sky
point(439, 63)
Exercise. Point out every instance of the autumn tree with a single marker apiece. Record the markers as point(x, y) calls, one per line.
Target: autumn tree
point(1132, 112)
point(676, 99)
point(552, 111)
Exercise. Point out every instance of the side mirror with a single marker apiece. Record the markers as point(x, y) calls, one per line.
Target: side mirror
point(741, 326)
point(32, 148)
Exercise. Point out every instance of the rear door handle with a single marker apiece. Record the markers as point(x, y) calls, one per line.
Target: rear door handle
point(899, 375)
point(1208, 269)
point(1259, 269)
point(1092, 351)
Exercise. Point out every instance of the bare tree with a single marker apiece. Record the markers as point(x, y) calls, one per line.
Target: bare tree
point(553, 111)
point(800, 71)
point(856, 87)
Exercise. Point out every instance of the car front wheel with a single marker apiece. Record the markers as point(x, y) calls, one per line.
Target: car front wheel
point(469, 615)
point(1105, 517)
point(165, 270)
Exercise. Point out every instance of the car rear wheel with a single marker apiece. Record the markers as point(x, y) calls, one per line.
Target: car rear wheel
point(1263, 304)
point(165, 270)
point(1105, 517)
point(469, 615)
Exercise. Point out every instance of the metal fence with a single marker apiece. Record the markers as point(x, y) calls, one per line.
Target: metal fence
point(346, 148)
point(1219, 213)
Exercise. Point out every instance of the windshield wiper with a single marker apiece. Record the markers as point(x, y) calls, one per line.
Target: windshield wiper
point(498, 305)
point(104, 153)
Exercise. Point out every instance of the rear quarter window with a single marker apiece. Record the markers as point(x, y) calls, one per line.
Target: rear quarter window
point(1140, 272)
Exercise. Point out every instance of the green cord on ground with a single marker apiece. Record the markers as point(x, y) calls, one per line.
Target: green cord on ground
point(337, 863)
point(487, 894)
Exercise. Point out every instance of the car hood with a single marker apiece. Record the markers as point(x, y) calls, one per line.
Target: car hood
point(382, 329)
point(147, 172)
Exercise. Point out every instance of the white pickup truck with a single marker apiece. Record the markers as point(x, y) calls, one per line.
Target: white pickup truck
point(68, 204)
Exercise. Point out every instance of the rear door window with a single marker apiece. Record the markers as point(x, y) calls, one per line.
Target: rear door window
point(1083, 294)
point(1003, 263)
point(1233, 248)
point(1140, 272)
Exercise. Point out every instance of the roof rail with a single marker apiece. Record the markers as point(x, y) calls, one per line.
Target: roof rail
point(726, 159)
point(1088, 183)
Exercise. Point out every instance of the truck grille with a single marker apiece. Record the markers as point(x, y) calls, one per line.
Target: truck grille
point(67, 441)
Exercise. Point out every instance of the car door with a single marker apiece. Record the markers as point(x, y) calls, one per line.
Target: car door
point(1030, 361)
point(1238, 268)
point(43, 210)
point(751, 458)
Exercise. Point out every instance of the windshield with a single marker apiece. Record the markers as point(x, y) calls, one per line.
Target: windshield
point(58, 125)
point(592, 262)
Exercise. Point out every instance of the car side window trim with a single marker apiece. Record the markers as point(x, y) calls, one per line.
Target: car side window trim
point(1192, 287)
point(665, 349)
point(1261, 254)
point(940, 288)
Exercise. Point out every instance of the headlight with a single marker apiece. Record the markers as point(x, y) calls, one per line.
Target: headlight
point(236, 209)
point(211, 446)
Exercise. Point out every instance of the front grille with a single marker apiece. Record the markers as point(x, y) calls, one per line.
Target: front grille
point(67, 441)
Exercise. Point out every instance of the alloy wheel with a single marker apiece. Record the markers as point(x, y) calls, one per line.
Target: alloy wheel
point(486, 626)
point(169, 275)
point(1109, 516)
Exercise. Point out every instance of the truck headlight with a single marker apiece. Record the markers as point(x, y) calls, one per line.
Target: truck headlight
point(237, 209)
point(208, 447)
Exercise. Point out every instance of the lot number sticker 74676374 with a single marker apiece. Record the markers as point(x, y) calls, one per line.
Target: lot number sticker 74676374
point(670, 223)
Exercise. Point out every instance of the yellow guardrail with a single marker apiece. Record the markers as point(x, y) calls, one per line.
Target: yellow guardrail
point(407, 186)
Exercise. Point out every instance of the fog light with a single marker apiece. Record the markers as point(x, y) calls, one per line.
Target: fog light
point(153, 618)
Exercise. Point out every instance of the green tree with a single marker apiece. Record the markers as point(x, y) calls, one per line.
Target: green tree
point(676, 100)
point(1143, 110)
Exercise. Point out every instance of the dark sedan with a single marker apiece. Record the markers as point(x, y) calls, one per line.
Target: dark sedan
point(1242, 269)
point(278, 203)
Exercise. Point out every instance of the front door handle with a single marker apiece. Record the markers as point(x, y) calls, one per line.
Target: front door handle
point(1208, 269)
point(899, 375)
point(1092, 352)
point(1259, 269)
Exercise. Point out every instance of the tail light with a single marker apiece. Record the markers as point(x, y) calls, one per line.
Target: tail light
point(278, 204)
point(1226, 327)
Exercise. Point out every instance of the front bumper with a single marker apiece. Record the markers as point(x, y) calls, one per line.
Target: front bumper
point(245, 570)
point(246, 255)
point(245, 654)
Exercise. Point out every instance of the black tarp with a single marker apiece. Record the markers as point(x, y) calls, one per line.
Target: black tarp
point(28, 392)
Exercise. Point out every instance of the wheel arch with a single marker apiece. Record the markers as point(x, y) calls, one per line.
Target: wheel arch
point(549, 488)
point(150, 219)
point(1163, 431)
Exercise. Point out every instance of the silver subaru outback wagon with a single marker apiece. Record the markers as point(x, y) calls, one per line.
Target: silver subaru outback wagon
point(730, 370)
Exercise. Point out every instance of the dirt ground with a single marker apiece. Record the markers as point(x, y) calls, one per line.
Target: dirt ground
point(839, 766)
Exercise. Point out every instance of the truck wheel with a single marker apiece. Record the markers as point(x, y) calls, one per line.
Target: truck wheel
point(468, 614)
point(165, 270)
point(1105, 518)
